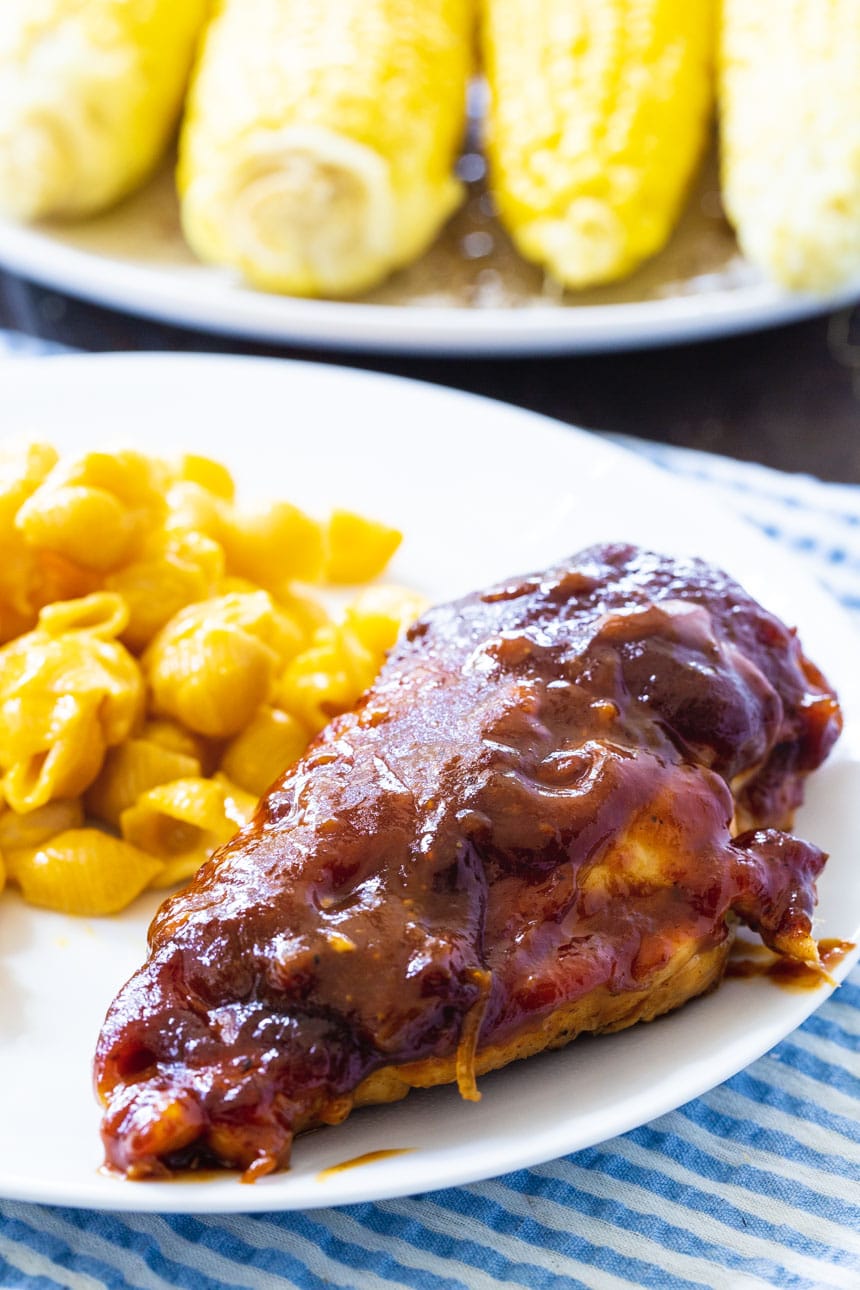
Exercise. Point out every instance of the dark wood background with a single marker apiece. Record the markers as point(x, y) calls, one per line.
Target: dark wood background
point(788, 397)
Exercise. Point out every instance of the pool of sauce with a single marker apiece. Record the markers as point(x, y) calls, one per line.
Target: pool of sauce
point(472, 264)
point(789, 974)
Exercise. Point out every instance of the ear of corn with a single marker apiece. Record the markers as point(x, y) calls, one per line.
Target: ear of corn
point(598, 116)
point(89, 95)
point(790, 134)
point(320, 138)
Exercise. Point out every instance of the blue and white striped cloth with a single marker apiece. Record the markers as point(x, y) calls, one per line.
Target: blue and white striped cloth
point(757, 1184)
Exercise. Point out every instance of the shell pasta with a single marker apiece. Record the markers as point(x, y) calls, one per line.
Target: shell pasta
point(183, 821)
point(68, 692)
point(164, 656)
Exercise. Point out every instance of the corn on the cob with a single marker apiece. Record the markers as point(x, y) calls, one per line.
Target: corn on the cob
point(790, 133)
point(598, 115)
point(318, 149)
point(90, 91)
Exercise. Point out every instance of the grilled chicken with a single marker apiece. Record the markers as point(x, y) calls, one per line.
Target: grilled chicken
point(544, 818)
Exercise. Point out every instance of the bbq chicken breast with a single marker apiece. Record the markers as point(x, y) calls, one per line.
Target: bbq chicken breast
point(544, 818)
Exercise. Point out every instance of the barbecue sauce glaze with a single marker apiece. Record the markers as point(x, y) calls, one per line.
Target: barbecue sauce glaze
point(532, 803)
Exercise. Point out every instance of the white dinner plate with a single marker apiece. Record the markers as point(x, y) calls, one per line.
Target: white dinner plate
point(482, 491)
point(470, 294)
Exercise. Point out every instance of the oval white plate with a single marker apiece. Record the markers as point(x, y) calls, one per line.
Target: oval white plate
point(482, 491)
point(134, 258)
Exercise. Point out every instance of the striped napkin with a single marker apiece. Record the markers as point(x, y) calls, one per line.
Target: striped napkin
point(756, 1184)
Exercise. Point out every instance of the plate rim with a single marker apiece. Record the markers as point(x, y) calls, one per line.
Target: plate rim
point(162, 295)
point(529, 1152)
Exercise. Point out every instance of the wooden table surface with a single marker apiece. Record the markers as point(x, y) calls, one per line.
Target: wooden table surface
point(789, 397)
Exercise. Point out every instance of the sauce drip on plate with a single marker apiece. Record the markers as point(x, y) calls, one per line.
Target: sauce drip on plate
point(790, 974)
point(367, 1159)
